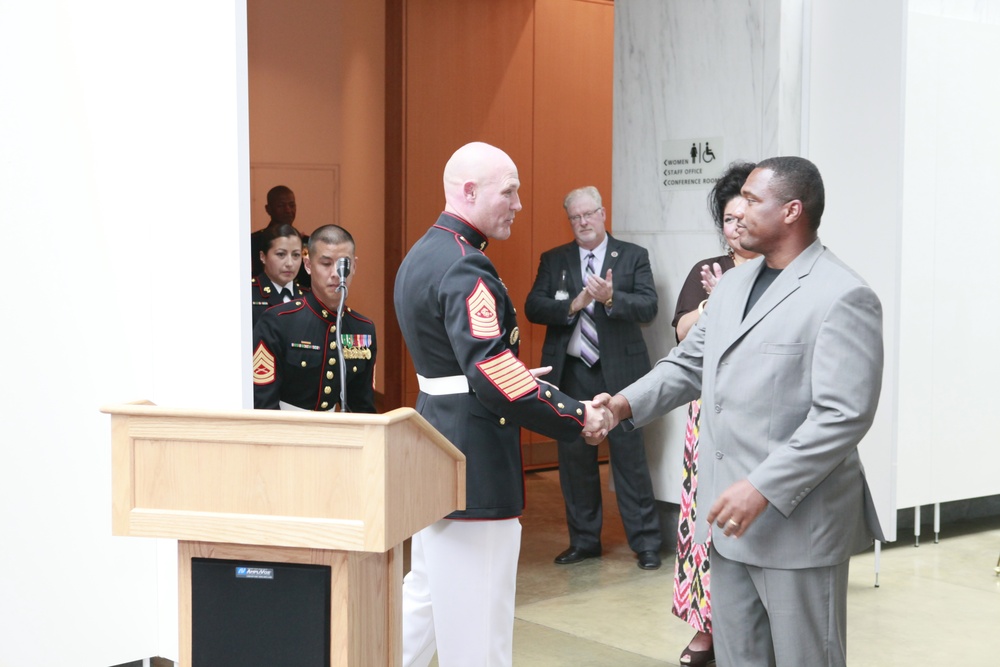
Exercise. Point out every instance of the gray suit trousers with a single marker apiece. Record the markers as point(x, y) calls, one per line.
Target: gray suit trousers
point(766, 617)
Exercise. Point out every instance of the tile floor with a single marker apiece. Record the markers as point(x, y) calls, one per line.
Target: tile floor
point(936, 604)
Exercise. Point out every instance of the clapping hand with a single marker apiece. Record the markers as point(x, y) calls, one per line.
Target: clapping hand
point(600, 289)
point(710, 276)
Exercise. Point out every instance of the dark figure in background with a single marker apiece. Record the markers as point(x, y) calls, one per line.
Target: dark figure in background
point(461, 330)
point(295, 364)
point(592, 295)
point(692, 574)
point(282, 260)
point(788, 352)
point(281, 207)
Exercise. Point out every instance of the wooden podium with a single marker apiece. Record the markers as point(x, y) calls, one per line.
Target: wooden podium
point(333, 489)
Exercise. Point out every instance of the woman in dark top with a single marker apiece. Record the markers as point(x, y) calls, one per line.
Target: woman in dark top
point(692, 599)
point(281, 257)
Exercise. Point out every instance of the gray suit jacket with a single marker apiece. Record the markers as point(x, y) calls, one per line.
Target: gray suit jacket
point(787, 394)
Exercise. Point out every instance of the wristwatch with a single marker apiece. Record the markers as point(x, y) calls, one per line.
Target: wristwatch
point(610, 302)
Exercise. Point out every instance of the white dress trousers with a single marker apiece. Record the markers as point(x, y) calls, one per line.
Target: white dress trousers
point(458, 598)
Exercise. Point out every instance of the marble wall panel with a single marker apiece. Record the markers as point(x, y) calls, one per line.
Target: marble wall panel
point(685, 70)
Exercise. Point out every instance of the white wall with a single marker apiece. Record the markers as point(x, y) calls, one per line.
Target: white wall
point(124, 177)
point(854, 133)
point(949, 361)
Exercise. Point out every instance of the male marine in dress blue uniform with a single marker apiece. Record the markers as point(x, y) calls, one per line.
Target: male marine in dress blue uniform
point(295, 364)
point(461, 330)
point(295, 357)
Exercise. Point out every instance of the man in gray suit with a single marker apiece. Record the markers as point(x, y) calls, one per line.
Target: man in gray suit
point(787, 358)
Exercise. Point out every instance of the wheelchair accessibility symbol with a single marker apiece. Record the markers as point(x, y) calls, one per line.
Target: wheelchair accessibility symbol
point(701, 155)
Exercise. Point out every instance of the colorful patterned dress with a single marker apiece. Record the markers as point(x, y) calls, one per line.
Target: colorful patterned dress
point(692, 575)
point(692, 594)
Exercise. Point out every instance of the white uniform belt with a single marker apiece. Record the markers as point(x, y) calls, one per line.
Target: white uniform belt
point(453, 384)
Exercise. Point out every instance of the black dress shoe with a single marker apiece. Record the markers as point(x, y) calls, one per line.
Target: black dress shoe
point(575, 555)
point(649, 560)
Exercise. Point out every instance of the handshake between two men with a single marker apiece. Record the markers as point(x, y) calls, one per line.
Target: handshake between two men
point(603, 411)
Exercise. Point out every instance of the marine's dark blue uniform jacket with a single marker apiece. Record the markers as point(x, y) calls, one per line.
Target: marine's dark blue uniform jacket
point(295, 357)
point(457, 319)
point(263, 295)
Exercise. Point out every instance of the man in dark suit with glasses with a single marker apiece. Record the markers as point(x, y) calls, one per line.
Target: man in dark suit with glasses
point(592, 294)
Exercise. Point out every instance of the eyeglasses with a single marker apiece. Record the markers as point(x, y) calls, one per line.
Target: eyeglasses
point(588, 216)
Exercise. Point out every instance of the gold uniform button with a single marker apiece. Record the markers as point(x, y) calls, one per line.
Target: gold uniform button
point(579, 411)
point(333, 361)
point(324, 405)
point(326, 390)
point(548, 394)
point(355, 369)
point(333, 328)
point(303, 364)
point(329, 375)
point(333, 345)
point(560, 406)
point(502, 421)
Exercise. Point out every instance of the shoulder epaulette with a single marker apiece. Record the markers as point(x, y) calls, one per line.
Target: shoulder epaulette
point(293, 306)
point(358, 316)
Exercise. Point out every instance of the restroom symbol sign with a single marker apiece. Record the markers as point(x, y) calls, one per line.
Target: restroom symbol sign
point(691, 164)
point(701, 153)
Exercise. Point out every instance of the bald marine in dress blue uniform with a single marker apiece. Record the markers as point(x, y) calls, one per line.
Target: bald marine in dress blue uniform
point(295, 363)
point(461, 330)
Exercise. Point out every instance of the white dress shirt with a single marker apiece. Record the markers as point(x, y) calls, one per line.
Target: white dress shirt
point(573, 349)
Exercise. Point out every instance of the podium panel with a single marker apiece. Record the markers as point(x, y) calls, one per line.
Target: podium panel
point(366, 591)
point(259, 614)
point(314, 506)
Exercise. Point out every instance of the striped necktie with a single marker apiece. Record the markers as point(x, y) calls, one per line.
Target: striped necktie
point(589, 351)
